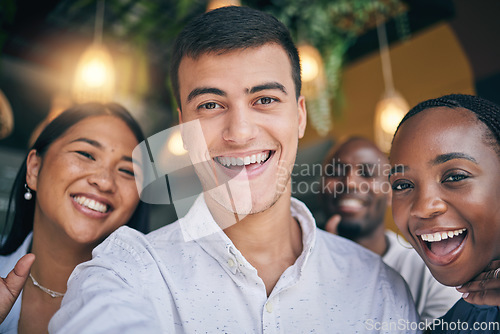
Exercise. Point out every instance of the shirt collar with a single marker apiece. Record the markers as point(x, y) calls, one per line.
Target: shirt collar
point(199, 226)
point(308, 225)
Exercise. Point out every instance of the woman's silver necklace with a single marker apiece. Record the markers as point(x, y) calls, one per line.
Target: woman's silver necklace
point(52, 293)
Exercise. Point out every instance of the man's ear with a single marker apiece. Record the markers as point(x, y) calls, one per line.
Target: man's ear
point(33, 164)
point(179, 113)
point(302, 115)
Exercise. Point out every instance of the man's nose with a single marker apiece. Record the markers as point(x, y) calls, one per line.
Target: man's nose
point(353, 179)
point(240, 125)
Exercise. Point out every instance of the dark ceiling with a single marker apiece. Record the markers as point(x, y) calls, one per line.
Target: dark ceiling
point(37, 32)
point(39, 27)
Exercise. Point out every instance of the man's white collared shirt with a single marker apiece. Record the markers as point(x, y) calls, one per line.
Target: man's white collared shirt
point(160, 283)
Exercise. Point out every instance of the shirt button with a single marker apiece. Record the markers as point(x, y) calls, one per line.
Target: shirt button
point(230, 262)
point(269, 307)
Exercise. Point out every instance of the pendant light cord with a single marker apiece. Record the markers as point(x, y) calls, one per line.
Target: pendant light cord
point(99, 21)
point(384, 56)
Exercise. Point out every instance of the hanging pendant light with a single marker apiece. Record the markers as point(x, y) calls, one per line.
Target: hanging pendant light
point(6, 117)
point(175, 143)
point(95, 75)
point(389, 111)
point(314, 88)
point(392, 107)
point(311, 63)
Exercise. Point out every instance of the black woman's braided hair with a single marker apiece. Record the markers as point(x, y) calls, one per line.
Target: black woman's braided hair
point(485, 111)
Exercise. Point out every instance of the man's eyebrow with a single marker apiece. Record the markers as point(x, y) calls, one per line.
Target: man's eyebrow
point(204, 90)
point(398, 169)
point(268, 85)
point(442, 158)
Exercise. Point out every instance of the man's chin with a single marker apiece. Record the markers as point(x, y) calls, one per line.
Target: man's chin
point(349, 230)
point(243, 207)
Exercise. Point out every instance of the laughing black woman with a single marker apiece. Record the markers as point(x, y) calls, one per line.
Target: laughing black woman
point(445, 178)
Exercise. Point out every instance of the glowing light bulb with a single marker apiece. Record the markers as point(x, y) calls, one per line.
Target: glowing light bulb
point(310, 68)
point(94, 73)
point(391, 116)
point(310, 63)
point(176, 145)
point(388, 114)
point(95, 78)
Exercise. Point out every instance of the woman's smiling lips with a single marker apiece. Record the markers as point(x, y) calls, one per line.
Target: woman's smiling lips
point(91, 205)
point(443, 247)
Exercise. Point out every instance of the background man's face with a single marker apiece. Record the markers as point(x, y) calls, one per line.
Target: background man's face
point(358, 189)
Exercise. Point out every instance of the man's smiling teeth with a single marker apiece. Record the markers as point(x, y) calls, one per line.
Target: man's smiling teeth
point(91, 204)
point(240, 161)
point(351, 203)
point(438, 236)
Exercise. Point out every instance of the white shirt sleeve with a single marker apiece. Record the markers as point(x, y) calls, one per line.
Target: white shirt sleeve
point(161, 283)
point(105, 295)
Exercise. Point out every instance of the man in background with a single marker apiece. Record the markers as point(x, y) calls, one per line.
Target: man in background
point(358, 194)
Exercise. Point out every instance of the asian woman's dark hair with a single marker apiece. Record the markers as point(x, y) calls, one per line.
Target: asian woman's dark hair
point(23, 210)
point(485, 111)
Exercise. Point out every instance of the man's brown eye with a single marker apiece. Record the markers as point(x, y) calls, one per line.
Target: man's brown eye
point(265, 100)
point(209, 106)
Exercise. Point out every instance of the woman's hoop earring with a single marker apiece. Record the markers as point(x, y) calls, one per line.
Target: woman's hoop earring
point(27, 195)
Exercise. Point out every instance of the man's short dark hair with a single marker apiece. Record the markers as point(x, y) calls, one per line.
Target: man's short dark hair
point(227, 29)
